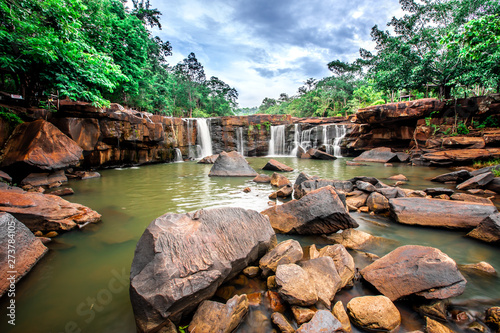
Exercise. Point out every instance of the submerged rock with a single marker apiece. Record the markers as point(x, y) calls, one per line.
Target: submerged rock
point(181, 260)
point(320, 155)
point(45, 212)
point(319, 212)
point(415, 270)
point(375, 313)
point(274, 165)
point(357, 239)
point(28, 250)
point(231, 164)
point(282, 323)
point(262, 178)
point(380, 155)
point(439, 213)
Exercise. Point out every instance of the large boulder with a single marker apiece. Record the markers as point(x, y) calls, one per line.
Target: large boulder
point(45, 212)
point(323, 274)
point(39, 144)
point(488, 230)
point(343, 262)
point(374, 313)
point(313, 184)
point(294, 285)
point(84, 131)
point(380, 155)
point(415, 270)
point(439, 213)
point(319, 212)
point(181, 260)
point(319, 155)
point(455, 176)
point(274, 165)
point(28, 250)
point(231, 164)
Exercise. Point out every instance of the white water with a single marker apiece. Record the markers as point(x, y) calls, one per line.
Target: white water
point(331, 137)
point(204, 139)
point(340, 132)
point(277, 143)
point(240, 143)
point(296, 140)
point(178, 155)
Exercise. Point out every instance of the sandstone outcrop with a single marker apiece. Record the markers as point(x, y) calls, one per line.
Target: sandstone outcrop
point(439, 213)
point(402, 111)
point(28, 251)
point(231, 164)
point(415, 270)
point(45, 212)
point(319, 212)
point(190, 256)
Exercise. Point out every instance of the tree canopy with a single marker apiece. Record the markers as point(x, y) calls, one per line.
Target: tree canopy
point(101, 52)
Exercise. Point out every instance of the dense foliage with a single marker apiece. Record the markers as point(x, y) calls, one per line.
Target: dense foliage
point(438, 49)
point(100, 51)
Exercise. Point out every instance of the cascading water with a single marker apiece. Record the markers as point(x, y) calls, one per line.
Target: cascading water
point(340, 132)
point(296, 139)
point(240, 143)
point(204, 138)
point(277, 144)
point(178, 155)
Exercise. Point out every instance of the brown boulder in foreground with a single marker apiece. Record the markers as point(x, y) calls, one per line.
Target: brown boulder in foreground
point(415, 270)
point(181, 260)
point(42, 145)
point(28, 250)
point(439, 213)
point(231, 164)
point(319, 212)
point(488, 230)
point(375, 313)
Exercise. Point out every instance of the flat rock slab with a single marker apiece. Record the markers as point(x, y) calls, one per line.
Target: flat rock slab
point(319, 155)
point(412, 269)
point(319, 212)
point(478, 181)
point(460, 156)
point(41, 145)
point(45, 212)
point(455, 176)
point(379, 155)
point(28, 250)
point(181, 260)
point(274, 165)
point(231, 165)
point(439, 213)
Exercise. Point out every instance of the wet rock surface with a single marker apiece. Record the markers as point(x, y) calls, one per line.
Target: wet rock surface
point(374, 313)
point(319, 212)
point(199, 251)
point(287, 252)
point(379, 155)
point(415, 270)
point(488, 229)
point(274, 165)
point(231, 164)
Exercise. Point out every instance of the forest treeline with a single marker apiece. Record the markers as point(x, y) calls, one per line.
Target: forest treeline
point(439, 48)
point(100, 51)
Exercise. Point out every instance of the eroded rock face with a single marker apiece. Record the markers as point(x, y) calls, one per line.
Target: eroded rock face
point(232, 164)
point(478, 181)
point(319, 212)
point(28, 250)
point(375, 313)
point(343, 262)
point(323, 274)
point(401, 111)
point(190, 256)
point(294, 285)
point(41, 145)
point(439, 213)
point(45, 212)
point(415, 270)
point(458, 156)
point(84, 131)
point(380, 155)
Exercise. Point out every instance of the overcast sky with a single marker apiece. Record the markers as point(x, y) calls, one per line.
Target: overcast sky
point(267, 47)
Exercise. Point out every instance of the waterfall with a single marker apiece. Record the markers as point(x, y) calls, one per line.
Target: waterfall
point(340, 132)
point(240, 144)
point(204, 139)
point(309, 139)
point(296, 140)
point(189, 134)
point(178, 155)
point(277, 144)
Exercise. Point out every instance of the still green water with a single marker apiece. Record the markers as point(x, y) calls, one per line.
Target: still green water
point(81, 285)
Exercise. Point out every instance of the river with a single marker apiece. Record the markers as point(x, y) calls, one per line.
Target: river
point(81, 285)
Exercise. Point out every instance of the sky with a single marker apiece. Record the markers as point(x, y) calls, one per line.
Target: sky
point(267, 47)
